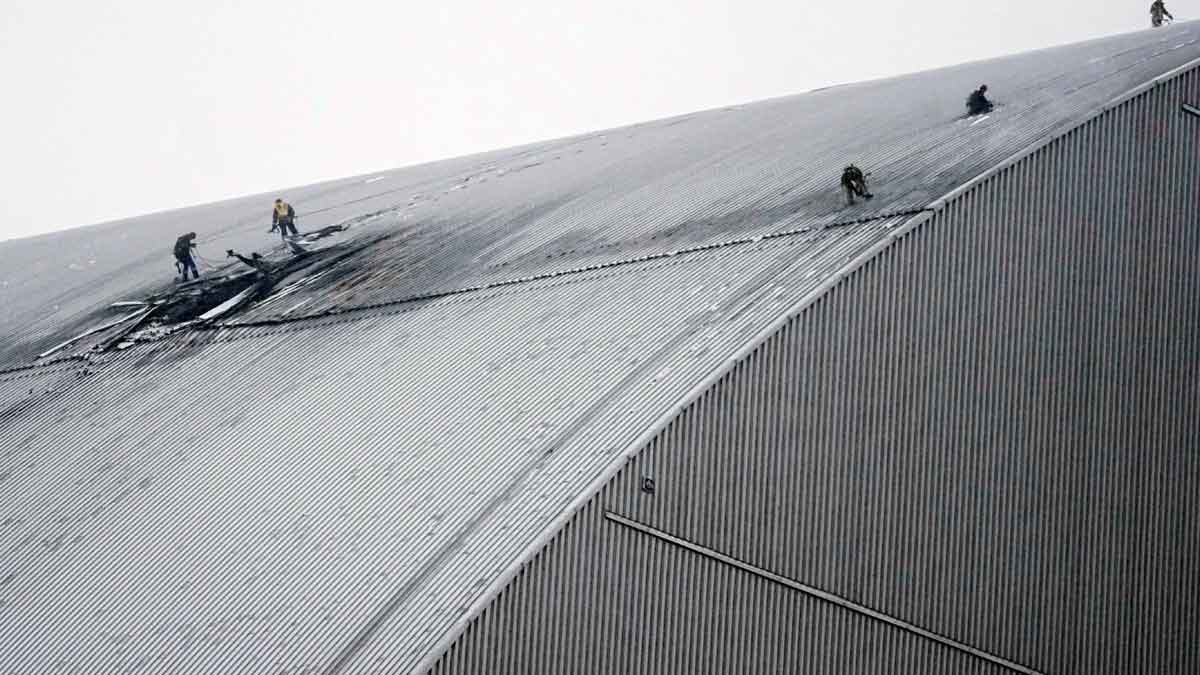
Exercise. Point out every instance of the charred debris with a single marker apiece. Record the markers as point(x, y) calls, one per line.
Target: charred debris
point(218, 295)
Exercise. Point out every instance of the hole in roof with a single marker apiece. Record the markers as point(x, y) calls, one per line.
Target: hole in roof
point(221, 294)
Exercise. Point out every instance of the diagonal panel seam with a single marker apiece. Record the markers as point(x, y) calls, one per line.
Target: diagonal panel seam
point(819, 594)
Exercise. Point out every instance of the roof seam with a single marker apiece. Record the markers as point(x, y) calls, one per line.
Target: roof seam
point(567, 272)
point(313, 322)
point(349, 316)
point(44, 365)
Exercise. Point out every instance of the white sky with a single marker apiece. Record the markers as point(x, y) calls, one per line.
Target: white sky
point(114, 109)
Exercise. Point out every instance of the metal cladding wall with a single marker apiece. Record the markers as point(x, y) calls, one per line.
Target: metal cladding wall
point(988, 431)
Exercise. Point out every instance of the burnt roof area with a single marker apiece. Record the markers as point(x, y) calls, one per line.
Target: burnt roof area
point(649, 189)
point(220, 294)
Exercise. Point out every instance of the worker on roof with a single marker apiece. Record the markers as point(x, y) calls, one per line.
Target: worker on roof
point(183, 255)
point(283, 218)
point(854, 182)
point(978, 103)
point(1157, 11)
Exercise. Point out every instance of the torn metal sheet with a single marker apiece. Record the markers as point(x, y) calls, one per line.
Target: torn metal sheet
point(232, 304)
point(92, 331)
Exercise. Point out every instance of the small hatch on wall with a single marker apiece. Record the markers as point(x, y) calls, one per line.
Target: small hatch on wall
point(648, 485)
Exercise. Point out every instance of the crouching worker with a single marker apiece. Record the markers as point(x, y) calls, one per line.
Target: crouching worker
point(978, 103)
point(283, 218)
point(854, 183)
point(183, 255)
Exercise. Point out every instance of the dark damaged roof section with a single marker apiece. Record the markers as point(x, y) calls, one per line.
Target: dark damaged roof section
point(697, 180)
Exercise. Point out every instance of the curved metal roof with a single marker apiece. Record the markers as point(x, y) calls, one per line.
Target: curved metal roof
point(330, 477)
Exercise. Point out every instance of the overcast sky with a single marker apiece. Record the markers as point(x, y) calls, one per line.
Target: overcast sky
point(114, 109)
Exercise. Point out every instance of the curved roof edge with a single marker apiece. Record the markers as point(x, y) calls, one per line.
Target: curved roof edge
point(497, 586)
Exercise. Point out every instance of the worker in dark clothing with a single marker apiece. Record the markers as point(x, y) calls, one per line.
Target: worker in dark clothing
point(283, 218)
point(978, 103)
point(183, 255)
point(854, 183)
point(1157, 11)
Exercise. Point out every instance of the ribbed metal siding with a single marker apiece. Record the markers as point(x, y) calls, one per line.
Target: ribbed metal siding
point(989, 430)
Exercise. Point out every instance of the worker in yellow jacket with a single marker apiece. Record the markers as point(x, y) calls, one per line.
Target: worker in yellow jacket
point(283, 218)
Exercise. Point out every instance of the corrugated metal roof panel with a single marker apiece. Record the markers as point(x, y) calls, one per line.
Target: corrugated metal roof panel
point(274, 496)
point(721, 175)
point(259, 495)
point(649, 188)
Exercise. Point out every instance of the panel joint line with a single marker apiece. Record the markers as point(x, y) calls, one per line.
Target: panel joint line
point(820, 594)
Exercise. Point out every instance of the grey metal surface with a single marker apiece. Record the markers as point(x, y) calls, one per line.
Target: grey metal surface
point(330, 493)
point(625, 603)
point(253, 499)
point(988, 430)
point(813, 592)
point(725, 174)
point(612, 195)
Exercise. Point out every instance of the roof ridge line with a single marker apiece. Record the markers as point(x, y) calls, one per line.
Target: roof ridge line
point(618, 463)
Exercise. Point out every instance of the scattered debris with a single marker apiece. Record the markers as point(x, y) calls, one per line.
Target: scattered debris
point(94, 330)
point(219, 294)
point(255, 260)
point(322, 233)
point(186, 304)
point(234, 303)
point(302, 244)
